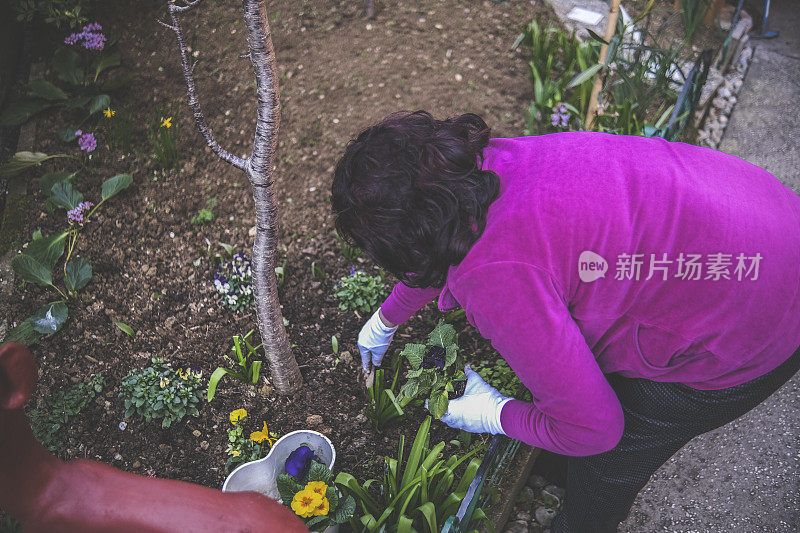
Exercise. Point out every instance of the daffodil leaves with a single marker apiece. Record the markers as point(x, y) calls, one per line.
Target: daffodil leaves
point(50, 318)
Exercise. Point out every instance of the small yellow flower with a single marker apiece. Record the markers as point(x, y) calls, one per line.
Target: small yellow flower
point(261, 436)
point(182, 373)
point(306, 502)
point(317, 486)
point(237, 415)
point(323, 508)
point(236, 453)
point(108, 112)
point(166, 122)
point(164, 382)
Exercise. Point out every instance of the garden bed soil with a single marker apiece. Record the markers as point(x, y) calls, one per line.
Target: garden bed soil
point(338, 74)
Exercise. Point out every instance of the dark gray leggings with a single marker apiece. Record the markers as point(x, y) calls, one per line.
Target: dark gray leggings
point(660, 418)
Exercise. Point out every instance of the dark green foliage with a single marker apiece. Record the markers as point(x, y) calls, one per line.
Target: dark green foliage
point(49, 419)
point(417, 492)
point(160, 392)
point(429, 379)
point(249, 367)
point(384, 407)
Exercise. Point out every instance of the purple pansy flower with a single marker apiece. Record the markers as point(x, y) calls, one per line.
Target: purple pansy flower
point(299, 461)
point(434, 358)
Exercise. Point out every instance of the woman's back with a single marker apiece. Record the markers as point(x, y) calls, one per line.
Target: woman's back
point(678, 263)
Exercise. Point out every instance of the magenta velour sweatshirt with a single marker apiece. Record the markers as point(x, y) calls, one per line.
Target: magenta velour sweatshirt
point(604, 253)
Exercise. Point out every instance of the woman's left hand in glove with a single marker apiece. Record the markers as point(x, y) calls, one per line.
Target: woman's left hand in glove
point(478, 410)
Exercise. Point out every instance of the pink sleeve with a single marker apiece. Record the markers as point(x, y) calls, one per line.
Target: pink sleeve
point(518, 308)
point(405, 301)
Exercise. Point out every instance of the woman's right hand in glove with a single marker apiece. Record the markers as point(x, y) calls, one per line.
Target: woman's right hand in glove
point(374, 340)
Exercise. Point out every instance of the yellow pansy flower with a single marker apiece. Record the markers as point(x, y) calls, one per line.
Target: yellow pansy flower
point(182, 373)
point(317, 486)
point(166, 122)
point(306, 502)
point(164, 382)
point(322, 509)
point(108, 112)
point(236, 453)
point(261, 436)
point(237, 415)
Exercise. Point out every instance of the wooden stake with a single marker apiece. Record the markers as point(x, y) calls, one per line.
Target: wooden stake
point(611, 26)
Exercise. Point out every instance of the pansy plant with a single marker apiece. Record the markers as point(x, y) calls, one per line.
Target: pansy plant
point(307, 488)
point(436, 369)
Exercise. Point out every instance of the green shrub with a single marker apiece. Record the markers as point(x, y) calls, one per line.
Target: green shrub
point(160, 392)
point(361, 292)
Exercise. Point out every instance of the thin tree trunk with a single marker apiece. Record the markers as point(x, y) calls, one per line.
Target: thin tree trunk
point(284, 370)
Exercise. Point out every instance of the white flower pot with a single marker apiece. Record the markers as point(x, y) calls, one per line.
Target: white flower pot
point(260, 476)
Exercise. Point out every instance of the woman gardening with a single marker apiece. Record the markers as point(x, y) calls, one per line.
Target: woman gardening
point(645, 291)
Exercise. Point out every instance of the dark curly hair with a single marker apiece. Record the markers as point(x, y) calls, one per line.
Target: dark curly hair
point(410, 192)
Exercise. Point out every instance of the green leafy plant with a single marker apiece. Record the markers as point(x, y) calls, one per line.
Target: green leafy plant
point(249, 368)
point(77, 70)
point(159, 392)
point(313, 497)
point(9, 524)
point(205, 215)
point(39, 258)
point(164, 134)
point(361, 292)
point(59, 13)
point(384, 407)
point(499, 375)
point(692, 14)
point(417, 492)
point(49, 419)
point(351, 253)
point(244, 446)
point(436, 369)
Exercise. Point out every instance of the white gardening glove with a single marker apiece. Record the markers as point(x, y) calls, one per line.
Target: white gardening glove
point(478, 410)
point(373, 341)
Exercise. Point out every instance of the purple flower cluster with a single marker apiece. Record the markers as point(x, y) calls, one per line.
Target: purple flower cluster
point(75, 216)
point(91, 37)
point(560, 115)
point(86, 141)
